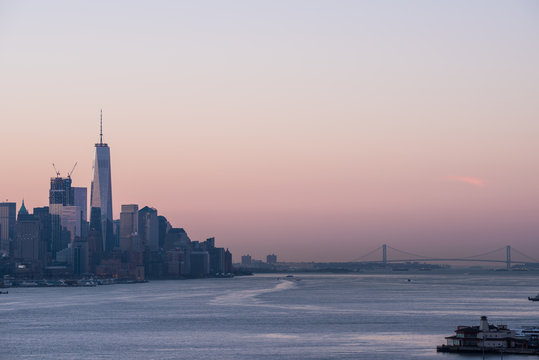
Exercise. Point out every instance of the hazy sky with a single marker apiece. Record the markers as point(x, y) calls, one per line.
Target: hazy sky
point(317, 130)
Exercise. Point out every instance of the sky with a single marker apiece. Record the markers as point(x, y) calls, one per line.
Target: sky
point(315, 130)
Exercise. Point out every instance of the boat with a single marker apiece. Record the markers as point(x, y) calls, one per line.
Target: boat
point(489, 338)
point(291, 278)
point(535, 298)
point(527, 331)
point(4, 292)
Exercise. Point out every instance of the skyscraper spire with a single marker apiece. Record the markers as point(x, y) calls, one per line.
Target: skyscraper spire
point(101, 193)
point(101, 127)
point(22, 210)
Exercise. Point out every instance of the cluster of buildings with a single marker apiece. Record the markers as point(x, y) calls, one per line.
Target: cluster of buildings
point(247, 260)
point(65, 239)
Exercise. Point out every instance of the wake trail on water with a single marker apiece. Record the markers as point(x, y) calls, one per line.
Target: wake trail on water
point(250, 297)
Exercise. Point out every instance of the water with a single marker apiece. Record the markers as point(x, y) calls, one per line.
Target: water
point(262, 317)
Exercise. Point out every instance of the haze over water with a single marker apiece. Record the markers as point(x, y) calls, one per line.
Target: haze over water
point(262, 317)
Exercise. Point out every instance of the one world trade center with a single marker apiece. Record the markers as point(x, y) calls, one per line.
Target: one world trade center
point(101, 195)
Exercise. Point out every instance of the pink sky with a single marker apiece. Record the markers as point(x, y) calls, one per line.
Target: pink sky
point(314, 130)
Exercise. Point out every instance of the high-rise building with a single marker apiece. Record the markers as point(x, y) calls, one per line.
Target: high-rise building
point(22, 211)
point(177, 238)
point(101, 192)
point(228, 262)
point(45, 222)
point(164, 227)
point(246, 259)
point(116, 233)
point(8, 212)
point(217, 260)
point(129, 240)
point(95, 243)
point(80, 256)
point(70, 219)
point(148, 228)
point(200, 263)
point(61, 191)
point(80, 199)
point(28, 245)
point(60, 194)
point(271, 259)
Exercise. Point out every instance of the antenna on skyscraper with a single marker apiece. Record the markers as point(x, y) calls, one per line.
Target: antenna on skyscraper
point(101, 127)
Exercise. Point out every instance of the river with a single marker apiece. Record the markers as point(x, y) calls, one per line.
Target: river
point(321, 316)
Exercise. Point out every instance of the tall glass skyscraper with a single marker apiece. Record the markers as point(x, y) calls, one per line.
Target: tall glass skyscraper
point(101, 193)
point(8, 213)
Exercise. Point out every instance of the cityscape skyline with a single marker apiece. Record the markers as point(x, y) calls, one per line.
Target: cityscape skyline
point(281, 130)
point(269, 179)
point(107, 220)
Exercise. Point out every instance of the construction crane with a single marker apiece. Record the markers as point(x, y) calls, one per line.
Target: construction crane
point(55, 170)
point(71, 172)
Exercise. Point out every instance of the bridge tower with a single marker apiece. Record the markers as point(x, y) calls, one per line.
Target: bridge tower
point(384, 254)
point(508, 249)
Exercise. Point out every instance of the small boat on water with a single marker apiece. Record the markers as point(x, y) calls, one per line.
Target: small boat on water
point(291, 278)
point(4, 292)
point(535, 298)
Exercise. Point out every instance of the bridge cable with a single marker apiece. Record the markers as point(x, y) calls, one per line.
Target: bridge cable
point(483, 254)
point(524, 255)
point(411, 254)
point(370, 253)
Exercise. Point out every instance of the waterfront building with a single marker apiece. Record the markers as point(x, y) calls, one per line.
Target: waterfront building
point(246, 259)
point(101, 190)
point(200, 263)
point(175, 262)
point(271, 259)
point(8, 212)
point(228, 262)
point(217, 260)
point(65, 256)
point(80, 256)
point(154, 264)
point(490, 338)
point(149, 228)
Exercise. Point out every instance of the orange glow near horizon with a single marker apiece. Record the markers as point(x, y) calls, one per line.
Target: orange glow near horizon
point(311, 130)
point(468, 180)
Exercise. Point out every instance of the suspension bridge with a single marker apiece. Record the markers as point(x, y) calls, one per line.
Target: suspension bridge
point(492, 256)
